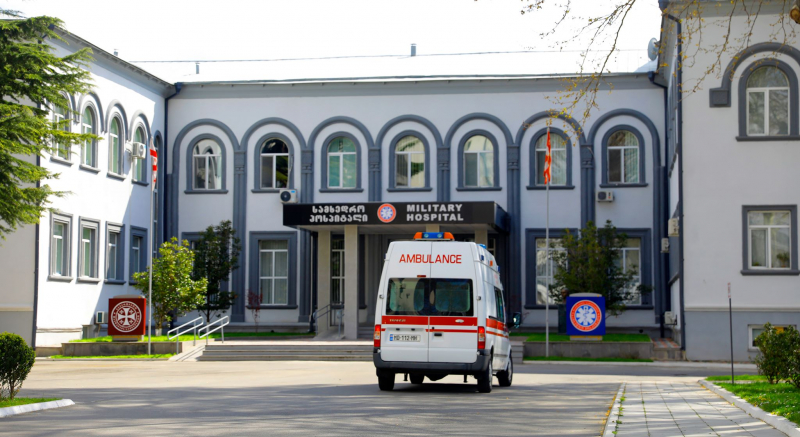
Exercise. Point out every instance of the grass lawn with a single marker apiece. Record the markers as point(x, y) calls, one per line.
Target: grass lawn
point(24, 401)
point(62, 357)
point(614, 360)
point(723, 378)
point(780, 399)
point(217, 334)
point(639, 338)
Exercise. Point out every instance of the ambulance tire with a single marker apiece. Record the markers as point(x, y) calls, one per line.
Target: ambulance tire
point(386, 382)
point(485, 379)
point(416, 379)
point(504, 377)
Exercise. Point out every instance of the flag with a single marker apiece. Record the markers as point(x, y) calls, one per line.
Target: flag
point(547, 160)
point(154, 157)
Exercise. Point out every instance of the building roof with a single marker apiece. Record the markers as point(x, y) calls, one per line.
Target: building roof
point(382, 68)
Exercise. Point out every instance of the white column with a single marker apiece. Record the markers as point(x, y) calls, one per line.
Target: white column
point(351, 282)
point(323, 278)
point(431, 228)
point(482, 237)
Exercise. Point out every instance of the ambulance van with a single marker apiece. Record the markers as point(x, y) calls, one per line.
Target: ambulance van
point(440, 312)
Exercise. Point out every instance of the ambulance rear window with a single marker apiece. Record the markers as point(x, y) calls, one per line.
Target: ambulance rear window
point(429, 297)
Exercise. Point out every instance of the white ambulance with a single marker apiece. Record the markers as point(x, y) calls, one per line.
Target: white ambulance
point(440, 312)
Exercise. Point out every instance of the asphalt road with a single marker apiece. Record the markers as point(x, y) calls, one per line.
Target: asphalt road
point(317, 398)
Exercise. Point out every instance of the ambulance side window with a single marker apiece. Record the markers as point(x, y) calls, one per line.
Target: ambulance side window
point(501, 310)
point(406, 296)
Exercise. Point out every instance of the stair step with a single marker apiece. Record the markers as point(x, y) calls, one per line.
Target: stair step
point(206, 357)
point(298, 353)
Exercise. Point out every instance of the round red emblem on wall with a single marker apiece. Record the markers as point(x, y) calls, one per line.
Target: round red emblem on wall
point(386, 213)
point(126, 316)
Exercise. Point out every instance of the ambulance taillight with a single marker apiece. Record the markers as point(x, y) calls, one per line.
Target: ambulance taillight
point(377, 336)
point(481, 338)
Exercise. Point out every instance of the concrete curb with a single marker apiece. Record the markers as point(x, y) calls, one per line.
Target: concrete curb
point(613, 416)
point(780, 423)
point(671, 364)
point(20, 409)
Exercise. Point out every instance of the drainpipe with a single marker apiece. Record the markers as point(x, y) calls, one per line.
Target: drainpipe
point(165, 211)
point(679, 147)
point(36, 271)
point(665, 205)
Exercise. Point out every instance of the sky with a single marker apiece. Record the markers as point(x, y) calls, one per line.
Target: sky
point(160, 30)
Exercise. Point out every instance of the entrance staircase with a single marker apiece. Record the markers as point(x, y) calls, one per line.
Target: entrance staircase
point(665, 349)
point(288, 351)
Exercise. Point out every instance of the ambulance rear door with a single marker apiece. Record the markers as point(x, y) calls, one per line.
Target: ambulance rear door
point(405, 286)
point(453, 322)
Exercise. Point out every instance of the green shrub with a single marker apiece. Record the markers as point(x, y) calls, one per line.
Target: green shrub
point(16, 360)
point(794, 356)
point(776, 349)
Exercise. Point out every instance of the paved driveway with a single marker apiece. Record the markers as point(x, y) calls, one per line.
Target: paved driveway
point(316, 398)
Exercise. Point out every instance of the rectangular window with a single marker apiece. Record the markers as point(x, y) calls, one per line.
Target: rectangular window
point(60, 228)
point(88, 259)
point(756, 330)
point(337, 270)
point(630, 261)
point(111, 262)
point(501, 312)
point(138, 251)
point(544, 276)
point(139, 173)
point(273, 272)
point(770, 239)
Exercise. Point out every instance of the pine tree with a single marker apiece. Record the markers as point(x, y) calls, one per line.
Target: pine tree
point(33, 81)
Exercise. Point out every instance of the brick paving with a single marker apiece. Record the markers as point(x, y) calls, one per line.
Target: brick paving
point(668, 409)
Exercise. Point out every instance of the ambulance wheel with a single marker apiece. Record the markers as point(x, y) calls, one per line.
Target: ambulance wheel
point(416, 379)
point(386, 382)
point(505, 376)
point(485, 379)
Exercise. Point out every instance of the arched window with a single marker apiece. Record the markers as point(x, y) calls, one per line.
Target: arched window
point(207, 158)
point(558, 156)
point(62, 121)
point(139, 165)
point(767, 102)
point(342, 163)
point(622, 148)
point(409, 163)
point(479, 162)
point(87, 147)
point(274, 164)
point(114, 149)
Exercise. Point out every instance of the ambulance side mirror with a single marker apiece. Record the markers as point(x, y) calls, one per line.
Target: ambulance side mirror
point(516, 320)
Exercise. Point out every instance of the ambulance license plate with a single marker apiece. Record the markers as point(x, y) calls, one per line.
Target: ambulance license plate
point(405, 337)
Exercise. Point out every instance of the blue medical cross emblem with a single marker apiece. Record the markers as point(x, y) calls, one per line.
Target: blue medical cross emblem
point(586, 315)
point(386, 213)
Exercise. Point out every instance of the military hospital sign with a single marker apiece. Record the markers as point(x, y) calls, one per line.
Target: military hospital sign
point(402, 213)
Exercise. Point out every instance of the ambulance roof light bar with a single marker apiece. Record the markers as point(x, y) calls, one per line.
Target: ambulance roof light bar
point(434, 236)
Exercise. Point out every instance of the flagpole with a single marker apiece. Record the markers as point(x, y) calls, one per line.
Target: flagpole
point(547, 259)
point(150, 254)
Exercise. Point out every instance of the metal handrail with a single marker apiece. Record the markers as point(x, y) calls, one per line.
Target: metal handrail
point(192, 328)
point(327, 311)
point(222, 327)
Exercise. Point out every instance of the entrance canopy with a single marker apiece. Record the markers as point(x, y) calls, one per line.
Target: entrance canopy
point(396, 217)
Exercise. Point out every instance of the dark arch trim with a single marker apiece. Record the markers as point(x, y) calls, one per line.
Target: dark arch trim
point(98, 109)
point(721, 97)
point(604, 183)
point(323, 181)
point(273, 120)
point(443, 158)
point(190, 165)
point(257, 162)
point(121, 109)
point(307, 181)
point(495, 161)
point(793, 100)
point(393, 161)
point(550, 114)
point(139, 115)
point(533, 169)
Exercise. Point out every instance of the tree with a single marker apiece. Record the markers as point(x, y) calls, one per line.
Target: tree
point(32, 82)
point(598, 33)
point(590, 263)
point(173, 286)
point(216, 255)
point(254, 305)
